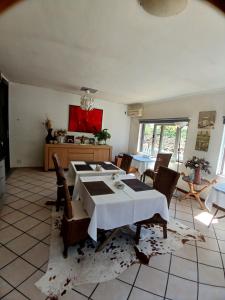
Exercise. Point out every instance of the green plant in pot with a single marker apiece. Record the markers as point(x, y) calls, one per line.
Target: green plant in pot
point(102, 136)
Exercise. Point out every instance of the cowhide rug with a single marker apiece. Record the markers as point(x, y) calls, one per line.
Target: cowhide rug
point(84, 265)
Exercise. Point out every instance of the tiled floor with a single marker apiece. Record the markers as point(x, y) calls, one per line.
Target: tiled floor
point(195, 272)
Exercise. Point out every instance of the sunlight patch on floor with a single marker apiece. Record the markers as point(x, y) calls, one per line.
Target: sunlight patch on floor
point(205, 218)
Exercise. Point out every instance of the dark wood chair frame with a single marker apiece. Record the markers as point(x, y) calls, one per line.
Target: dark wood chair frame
point(165, 182)
point(162, 159)
point(126, 162)
point(72, 231)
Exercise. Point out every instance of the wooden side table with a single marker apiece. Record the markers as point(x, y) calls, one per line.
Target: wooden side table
point(194, 191)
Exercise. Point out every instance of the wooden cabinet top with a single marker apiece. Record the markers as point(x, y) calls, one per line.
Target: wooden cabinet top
point(83, 146)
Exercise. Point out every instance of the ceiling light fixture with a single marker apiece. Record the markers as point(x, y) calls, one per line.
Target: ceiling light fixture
point(163, 8)
point(86, 101)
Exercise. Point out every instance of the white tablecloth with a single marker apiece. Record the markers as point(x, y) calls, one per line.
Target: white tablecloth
point(124, 207)
point(216, 196)
point(73, 175)
point(142, 163)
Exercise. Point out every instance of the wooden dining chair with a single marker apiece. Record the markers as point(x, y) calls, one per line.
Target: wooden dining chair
point(60, 178)
point(165, 182)
point(75, 222)
point(163, 160)
point(126, 162)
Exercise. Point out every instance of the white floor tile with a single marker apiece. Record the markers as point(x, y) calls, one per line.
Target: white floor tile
point(160, 262)
point(21, 244)
point(152, 280)
point(211, 275)
point(40, 231)
point(38, 255)
point(5, 288)
point(130, 274)
point(111, 290)
point(181, 289)
point(14, 295)
point(17, 271)
point(207, 292)
point(30, 290)
point(188, 252)
point(9, 233)
point(183, 268)
point(6, 256)
point(210, 244)
point(138, 294)
point(209, 257)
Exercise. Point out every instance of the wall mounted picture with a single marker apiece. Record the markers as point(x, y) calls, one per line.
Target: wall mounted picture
point(206, 119)
point(202, 141)
point(84, 121)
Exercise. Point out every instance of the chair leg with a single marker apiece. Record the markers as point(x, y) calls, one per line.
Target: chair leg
point(138, 233)
point(65, 251)
point(165, 231)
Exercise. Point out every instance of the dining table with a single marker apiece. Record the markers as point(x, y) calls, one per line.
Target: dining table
point(79, 169)
point(142, 162)
point(113, 203)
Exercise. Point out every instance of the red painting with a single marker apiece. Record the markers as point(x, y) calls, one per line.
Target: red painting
point(84, 121)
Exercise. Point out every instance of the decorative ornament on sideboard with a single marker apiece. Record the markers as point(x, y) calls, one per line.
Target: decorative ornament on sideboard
point(59, 135)
point(48, 125)
point(198, 165)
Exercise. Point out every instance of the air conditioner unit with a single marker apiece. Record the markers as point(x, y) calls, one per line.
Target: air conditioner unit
point(135, 110)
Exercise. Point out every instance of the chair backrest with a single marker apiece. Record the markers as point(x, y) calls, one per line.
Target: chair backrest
point(68, 206)
point(126, 162)
point(163, 160)
point(166, 181)
point(56, 160)
point(58, 169)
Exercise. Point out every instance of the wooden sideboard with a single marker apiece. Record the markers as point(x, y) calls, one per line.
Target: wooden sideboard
point(68, 152)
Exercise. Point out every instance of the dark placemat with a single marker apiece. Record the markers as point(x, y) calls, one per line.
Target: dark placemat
point(109, 167)
point(83, 168)
point(96, 188)
point(137, 185)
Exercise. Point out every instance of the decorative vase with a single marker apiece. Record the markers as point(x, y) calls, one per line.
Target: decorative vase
point(49, 137)
point(60, 139)
point(197, 177)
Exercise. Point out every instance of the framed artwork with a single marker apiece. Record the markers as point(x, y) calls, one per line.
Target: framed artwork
point(202, 141)
point(206, 119)
point(69, 139)
point(84, 121)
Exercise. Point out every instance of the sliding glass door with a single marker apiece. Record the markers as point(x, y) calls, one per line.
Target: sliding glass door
point(163, 137)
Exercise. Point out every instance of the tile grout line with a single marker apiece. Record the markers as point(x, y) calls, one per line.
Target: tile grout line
point(168, 275)
point(134, 282)
point(196, 249)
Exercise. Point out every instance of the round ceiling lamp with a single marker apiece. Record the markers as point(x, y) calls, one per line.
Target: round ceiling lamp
point(163, 8)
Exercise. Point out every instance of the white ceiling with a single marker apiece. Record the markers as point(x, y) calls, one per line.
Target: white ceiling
point(113, 46)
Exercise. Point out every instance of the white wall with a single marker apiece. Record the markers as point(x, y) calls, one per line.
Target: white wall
point(188, 106)
point(29, 107)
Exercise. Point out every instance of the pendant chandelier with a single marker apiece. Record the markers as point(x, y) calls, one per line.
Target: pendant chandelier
point(163, 8)
point(87, 101)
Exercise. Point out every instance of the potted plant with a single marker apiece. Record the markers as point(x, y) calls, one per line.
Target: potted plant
point(198, 165)
point(102, 136)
